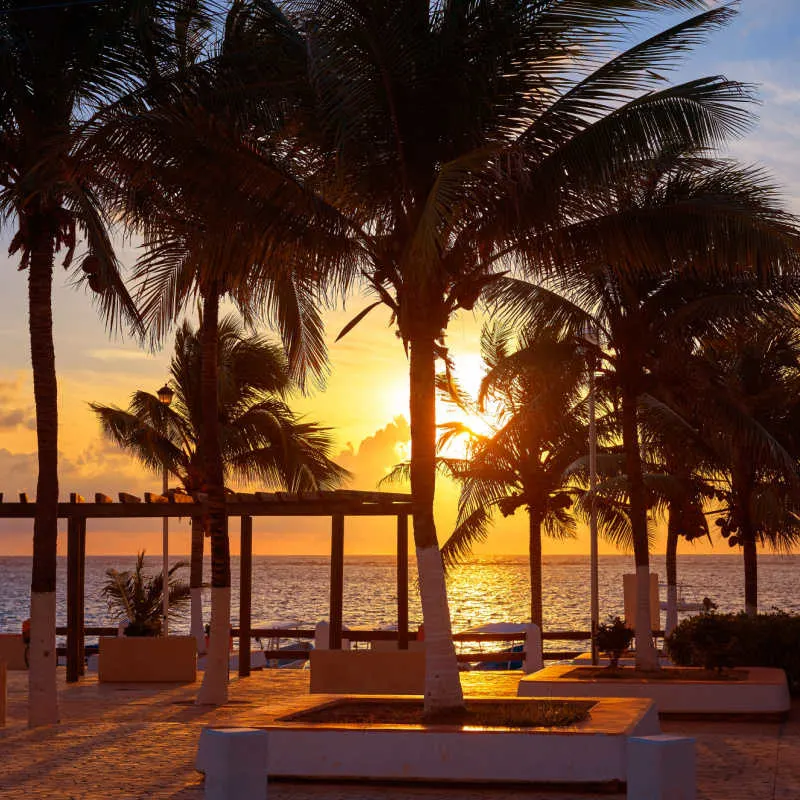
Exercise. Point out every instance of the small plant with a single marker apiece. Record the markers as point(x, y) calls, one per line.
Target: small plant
point(613, 639)
point(137, 598)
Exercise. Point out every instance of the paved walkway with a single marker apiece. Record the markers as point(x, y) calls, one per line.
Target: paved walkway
point(130, 742)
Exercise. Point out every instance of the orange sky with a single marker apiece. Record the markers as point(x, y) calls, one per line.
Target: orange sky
point(366, 402)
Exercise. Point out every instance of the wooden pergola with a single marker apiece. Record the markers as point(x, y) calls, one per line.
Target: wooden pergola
point(334, 504)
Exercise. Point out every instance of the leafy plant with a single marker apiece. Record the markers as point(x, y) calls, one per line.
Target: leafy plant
point(739, 640)
point(137, 597)
point(613, 639)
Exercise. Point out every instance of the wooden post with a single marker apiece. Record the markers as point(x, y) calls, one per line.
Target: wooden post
point(337, 581)
point(73, 614)
point(245, 594)
point(402, 582)
point(81, 596)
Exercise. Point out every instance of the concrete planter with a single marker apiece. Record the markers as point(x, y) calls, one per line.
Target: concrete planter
point(3, 693)
point(367, 671)
point(763, 692)
point(12, 650)
point(144, 659)
point(591, 752)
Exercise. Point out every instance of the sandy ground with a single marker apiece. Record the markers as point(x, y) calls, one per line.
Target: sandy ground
point(137, 741)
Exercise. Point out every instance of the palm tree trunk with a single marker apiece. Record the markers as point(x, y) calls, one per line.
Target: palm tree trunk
point(535, 558)
point(42, 693)
point(214, 689)
point(196, 585)
point(442, 683)
point(672, 572)
point(646, 655)
point(742, 492)
point(750, 555)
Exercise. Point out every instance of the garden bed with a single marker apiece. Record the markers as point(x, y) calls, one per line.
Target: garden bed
point(489, 713)
point(686, 691)
point(588, 752)
point(630, 673)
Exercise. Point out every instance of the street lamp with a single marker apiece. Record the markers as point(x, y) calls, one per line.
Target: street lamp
point(591, 338)
point(165, 395)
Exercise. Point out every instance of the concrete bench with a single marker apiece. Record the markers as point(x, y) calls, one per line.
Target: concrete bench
point(234, 761)
point(661, 767)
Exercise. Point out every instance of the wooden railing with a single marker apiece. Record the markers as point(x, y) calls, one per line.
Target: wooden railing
point(388, 636)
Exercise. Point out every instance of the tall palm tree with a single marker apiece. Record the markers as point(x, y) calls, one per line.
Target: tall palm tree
point(446, 136)
point(533, 457)
point(745, 384)
point(60, 63)
point(622, 274)
point(194, 161)
point(262, 439)
point(464, 131)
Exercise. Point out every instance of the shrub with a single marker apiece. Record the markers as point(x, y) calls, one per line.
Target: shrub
point(613, 639)
point(727, 640)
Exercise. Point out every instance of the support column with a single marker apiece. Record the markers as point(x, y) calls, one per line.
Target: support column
point(81, 596)
point(73, 615)
point(337, 581)
point(402, 582)
point(245, 594)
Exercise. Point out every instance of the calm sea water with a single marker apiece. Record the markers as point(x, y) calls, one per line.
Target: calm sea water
point(295, 590)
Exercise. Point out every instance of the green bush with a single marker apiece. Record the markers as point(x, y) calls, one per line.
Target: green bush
point(716, 641)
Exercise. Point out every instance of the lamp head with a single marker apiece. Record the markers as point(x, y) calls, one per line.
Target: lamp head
point(165, 395)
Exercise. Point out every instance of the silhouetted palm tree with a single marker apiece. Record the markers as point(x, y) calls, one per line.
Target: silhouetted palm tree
point(262, 439)
point(60, 63)
point(198, 177)
point(622, 274)
point(461, 134)
point(447, 137)
point(535, 455)
point(745, 386)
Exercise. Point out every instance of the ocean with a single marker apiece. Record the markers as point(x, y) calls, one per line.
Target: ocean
point(294, 589)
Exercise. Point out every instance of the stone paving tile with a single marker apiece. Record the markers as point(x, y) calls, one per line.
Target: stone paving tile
point(136, 742)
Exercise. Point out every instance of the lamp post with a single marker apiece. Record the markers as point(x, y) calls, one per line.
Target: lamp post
point(165, 395)
point(590, 336)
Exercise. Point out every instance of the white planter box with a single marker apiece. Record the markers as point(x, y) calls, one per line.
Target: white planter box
point(591, 752)
point(764, 691)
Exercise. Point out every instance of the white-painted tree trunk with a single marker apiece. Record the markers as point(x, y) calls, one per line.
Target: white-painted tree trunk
point(646, 654)
point(672, 609)
point(214, 689)
point(442, 682)
point(196, 627)
point(42, 692)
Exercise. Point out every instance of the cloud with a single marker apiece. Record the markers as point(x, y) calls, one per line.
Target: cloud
point(377, 454)
point(14, 414)
point(14, 417)
point(119, 354)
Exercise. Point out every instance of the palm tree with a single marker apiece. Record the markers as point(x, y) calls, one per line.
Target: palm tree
point(262, 439)
point(447, 137)
point(745, 385)
point(136, 597)
point(60, 63)
point(462, 133)
point(535, 454)
point(191, 167)
point(622, 275)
